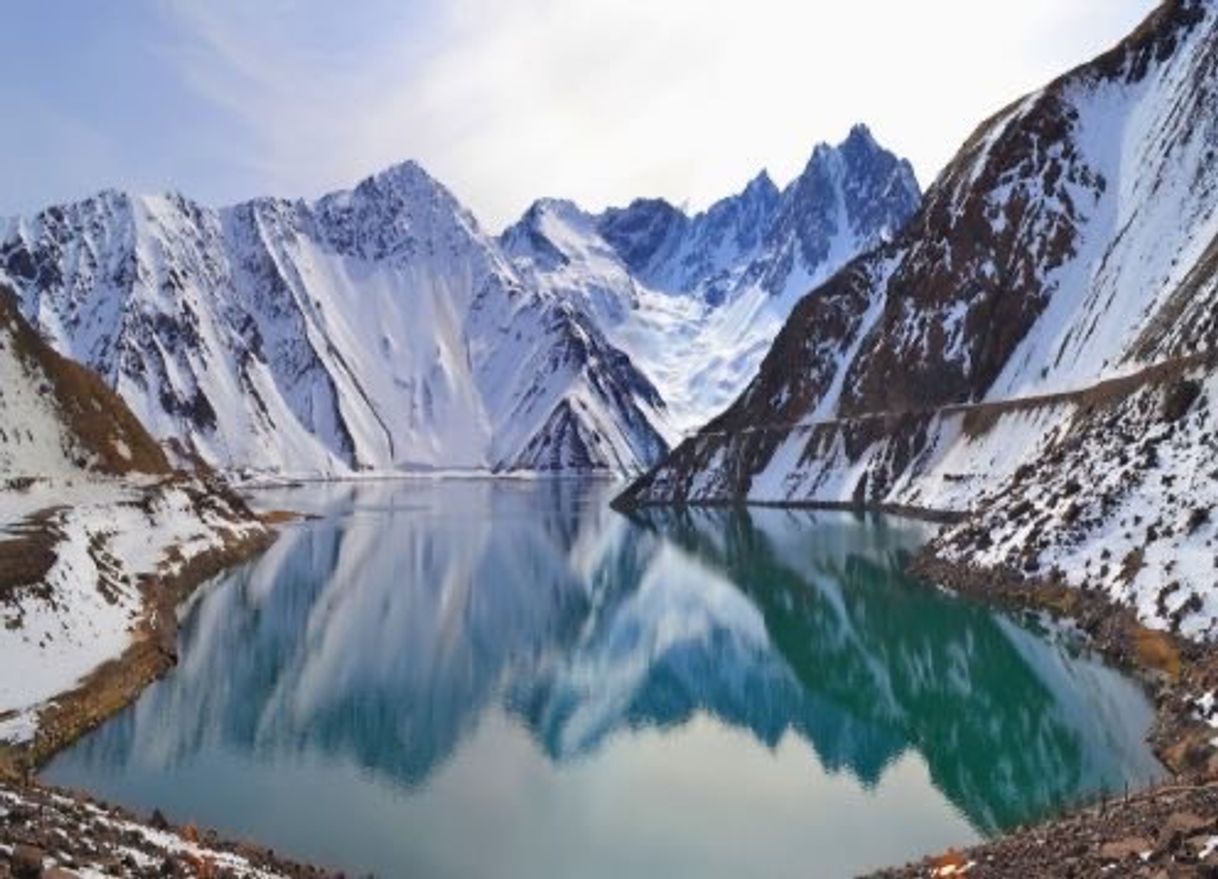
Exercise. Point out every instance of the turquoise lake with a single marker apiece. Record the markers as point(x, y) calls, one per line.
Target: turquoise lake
point(509, 679)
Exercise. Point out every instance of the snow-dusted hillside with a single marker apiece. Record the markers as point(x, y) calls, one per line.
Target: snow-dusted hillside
point(696, 301)
point(373, 329)
point(59, 420)
point(1036, 347)
point(90, 519)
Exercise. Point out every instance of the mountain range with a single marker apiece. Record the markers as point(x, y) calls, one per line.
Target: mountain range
point(381, 329)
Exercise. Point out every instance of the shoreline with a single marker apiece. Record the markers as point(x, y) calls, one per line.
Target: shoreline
point(1174, 670)
point(118, 682)
point(255, 484)
point(53, 832)
point(922, 514)
point(1170, 825)
point(152, 652)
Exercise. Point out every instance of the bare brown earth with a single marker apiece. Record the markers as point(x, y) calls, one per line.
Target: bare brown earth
point(27, 552)
point(281, 517)
point(112, 438)
point(150, 655)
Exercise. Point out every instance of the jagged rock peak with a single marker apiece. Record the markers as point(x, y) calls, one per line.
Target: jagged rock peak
point(760, 187)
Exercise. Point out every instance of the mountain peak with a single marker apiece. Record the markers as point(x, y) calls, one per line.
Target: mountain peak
point(408, 175)
point(534, 233)
point(761, 186)
point(861, 136)
point(401, 209)
point(404, 183)
point(556, 207)
point(640, 231)
point(859, 145)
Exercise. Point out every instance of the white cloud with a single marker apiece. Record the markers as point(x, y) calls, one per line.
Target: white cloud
point(603, 100)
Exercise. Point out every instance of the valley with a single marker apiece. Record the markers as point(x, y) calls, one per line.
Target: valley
point(893, 511)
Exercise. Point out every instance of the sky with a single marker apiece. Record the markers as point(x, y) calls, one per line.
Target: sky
point(505, 101)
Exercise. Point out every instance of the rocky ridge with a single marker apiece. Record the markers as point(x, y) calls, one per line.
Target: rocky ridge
point(1033, 353)
point(377, 328)
point(695, 300)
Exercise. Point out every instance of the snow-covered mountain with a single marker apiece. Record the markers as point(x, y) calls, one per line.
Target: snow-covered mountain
point(373, 329)
point(381, 328)
point(696, 300)
point(1037, 347)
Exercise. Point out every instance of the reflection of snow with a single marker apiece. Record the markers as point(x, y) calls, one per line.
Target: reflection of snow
point(390, 634)
point(679, 605)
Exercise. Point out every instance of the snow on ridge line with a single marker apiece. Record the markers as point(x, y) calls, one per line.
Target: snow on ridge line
point(378, 328)
point(696, 301)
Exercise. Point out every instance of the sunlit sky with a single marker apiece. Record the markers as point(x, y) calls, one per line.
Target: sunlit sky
point(505, 100)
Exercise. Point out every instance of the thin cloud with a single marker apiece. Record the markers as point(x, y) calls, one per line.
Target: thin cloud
point(603, 100)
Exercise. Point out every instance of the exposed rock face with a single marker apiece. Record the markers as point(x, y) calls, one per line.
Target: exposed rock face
point(1013, 352)
point(847, 198)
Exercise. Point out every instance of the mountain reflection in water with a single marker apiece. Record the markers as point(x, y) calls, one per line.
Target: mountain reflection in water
point(388, 633)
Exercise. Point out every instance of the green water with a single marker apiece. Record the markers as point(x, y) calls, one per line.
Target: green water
point(509, 679)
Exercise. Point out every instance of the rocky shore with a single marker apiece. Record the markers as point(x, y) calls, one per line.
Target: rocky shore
point(60, 834)
point(1167, 831)
point(47, 834)
point(1157, 834)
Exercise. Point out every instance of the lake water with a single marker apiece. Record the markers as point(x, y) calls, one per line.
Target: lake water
point(507, 679)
